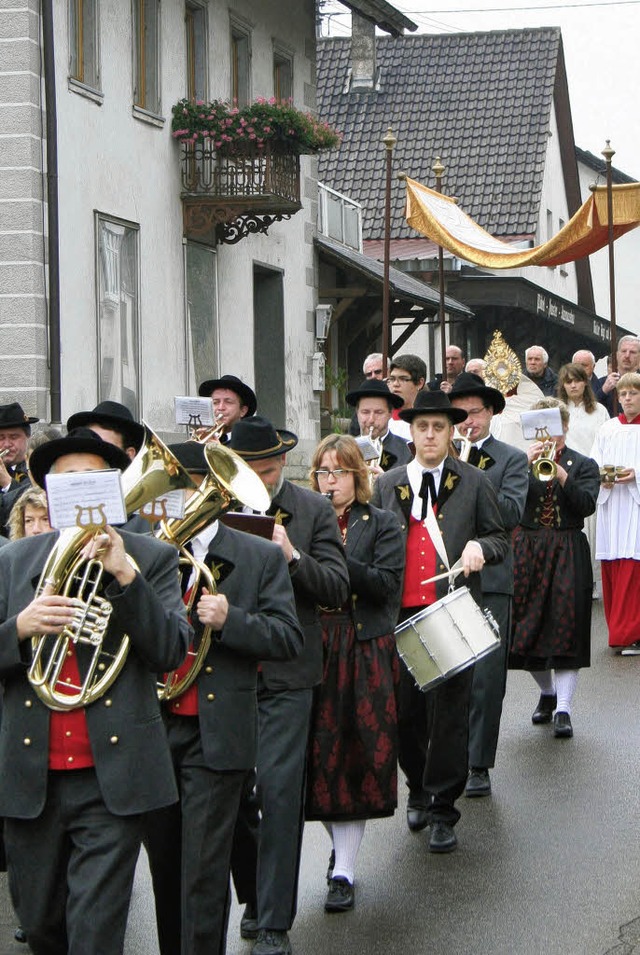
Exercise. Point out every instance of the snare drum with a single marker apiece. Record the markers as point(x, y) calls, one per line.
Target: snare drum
point(445, 638)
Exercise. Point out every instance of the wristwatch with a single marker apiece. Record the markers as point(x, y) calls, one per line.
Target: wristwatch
point(295, 557)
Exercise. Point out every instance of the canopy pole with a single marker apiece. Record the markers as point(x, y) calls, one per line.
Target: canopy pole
point(608, 154)
point(438, 170)
point(389, 141)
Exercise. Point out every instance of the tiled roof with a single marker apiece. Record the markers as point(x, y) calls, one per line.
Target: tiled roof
point(598, 165)
point(480, 101)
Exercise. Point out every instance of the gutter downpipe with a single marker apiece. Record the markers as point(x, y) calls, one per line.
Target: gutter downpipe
point(48, 54)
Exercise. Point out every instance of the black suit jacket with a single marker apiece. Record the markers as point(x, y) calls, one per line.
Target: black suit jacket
point(261, 625)
point(128, 740)
point(19, 484)
point(375, 552)
point(467, 510)
point(395, 452)
point(320, 579)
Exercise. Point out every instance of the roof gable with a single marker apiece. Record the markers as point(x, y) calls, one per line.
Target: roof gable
point(480, 101)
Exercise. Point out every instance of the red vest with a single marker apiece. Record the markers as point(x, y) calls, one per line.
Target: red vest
point(420, 565)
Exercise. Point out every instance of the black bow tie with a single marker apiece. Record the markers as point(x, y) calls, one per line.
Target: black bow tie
point(427, 490)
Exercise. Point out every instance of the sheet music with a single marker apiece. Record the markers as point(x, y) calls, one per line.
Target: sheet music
point(534, 422)
point(82, 498)
point(369, 451)
point(164, 507)
point(196, 412)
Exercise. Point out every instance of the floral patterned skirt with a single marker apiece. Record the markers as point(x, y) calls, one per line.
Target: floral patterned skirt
point(553, 587)
point(353, 750)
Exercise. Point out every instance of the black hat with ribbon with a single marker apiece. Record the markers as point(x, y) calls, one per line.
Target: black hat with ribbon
point(244, 392)
point(78, 441)
point(114, 416)
point(374, 388)
point(190, 454)
point(256, 438)
point(433, 402)
point(469, 385)
point(13, 416)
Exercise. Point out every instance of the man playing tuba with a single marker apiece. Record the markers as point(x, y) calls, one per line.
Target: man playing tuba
point(76, 781)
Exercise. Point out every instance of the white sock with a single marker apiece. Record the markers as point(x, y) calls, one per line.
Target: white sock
point(544, 679)
point(347, 837)
point(566, 681)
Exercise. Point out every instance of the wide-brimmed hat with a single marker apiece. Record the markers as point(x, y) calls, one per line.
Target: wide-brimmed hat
point(467, 384)
point(113, 415)
point(256, 438)
point(244, 392)
point(190, 454)
point(433, 402)
point(13, 416)
point(78, 441)
point(374, 388)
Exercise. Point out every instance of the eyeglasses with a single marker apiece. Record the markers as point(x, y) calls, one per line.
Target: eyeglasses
point(392, 379)
point(323, 473)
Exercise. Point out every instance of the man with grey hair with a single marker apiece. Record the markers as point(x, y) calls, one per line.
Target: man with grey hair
point(476, 366)
point(537, 362)
point(628, 360)
point(372, 365)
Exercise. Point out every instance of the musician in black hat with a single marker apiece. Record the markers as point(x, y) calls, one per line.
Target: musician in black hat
point(507, 468)
point(15, 429)
point(76, 782)
point(232, 400)
point(114, 423)
point(267, 848)
point(434, 726)
point(374, 405)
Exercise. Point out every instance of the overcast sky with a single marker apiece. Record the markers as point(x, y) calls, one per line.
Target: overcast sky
point(601, 48)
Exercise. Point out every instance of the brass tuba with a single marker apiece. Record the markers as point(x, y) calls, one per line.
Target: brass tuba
point(154, 471)
point(230, 480)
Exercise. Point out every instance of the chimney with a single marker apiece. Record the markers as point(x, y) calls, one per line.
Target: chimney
point(363, 53)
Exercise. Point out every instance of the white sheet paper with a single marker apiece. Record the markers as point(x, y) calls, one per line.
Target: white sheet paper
point(534, 422)
point(85, 498)
point(165, 506)
point(196, 412)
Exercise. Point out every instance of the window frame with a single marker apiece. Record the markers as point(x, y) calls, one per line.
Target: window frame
point(140, 56)
point(77, 46)
point(197, 10)
point(282, 55)
point(239, 29)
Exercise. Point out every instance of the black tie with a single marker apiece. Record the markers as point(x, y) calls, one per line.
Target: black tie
point(427, 490)
point(474, 456)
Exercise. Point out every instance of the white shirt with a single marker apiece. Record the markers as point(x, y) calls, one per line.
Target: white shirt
point(414, 473)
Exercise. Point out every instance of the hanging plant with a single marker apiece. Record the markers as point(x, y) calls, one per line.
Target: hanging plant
point(265, 121)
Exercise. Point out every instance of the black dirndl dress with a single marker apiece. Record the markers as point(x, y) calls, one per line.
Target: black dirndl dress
point(353, 755)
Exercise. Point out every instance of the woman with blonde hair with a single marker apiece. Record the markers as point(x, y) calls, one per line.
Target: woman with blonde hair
point(29, 515)
point(353, 740)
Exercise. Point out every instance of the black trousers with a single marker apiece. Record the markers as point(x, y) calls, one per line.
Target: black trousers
point(72, 869)
point(433, 730)
point(189, 848)
point(489, 686)
point(268, 838)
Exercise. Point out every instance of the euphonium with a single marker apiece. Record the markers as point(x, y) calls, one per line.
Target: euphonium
point(230, 480)
point(154, 471)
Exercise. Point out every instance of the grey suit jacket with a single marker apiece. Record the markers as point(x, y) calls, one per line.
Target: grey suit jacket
point(320, 579)
point(261, 625)
point(507, 469)
point(467, 510)
point(128, 740)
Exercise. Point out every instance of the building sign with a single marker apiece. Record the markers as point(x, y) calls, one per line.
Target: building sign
point(553, 308)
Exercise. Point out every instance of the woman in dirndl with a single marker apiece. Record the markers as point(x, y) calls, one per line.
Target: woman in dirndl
point(352, 774)
point(553, 579)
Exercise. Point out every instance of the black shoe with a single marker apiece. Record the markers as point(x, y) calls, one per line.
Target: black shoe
point(330, 867)
point(249, 921)
point(443, 838)
point(340, 896)
point(20, 935)
point(417, 818)
point(544, 710)
point(271, 942)
point(478, 783)
point(562, 727)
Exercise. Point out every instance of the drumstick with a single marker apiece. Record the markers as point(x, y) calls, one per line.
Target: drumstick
point(455, 570)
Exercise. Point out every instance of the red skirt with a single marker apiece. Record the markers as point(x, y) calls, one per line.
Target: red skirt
point(353, 748)
point(621, 595)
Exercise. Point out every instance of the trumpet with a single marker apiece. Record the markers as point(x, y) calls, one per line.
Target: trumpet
point(544, 467)
point(465, 446)
point(204, 435)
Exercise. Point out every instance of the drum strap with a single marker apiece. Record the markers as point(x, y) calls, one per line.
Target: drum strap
point(433, 530)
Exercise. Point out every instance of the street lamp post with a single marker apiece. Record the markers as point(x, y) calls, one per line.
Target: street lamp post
point(389, 141)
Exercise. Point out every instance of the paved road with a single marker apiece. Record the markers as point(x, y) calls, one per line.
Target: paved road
point(550, 865)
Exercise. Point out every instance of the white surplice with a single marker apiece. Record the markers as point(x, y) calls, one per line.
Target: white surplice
point(618, 513)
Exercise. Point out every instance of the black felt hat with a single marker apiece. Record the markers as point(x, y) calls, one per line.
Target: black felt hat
point(374, 388)
point(79, 441)
point(256, 438)
point(244, 392)
point(190, 454)
point(467, 384)
point(13, 416)
point(112, 415)
point(433, 402)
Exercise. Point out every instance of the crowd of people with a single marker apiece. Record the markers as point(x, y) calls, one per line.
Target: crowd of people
point(299, 707)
